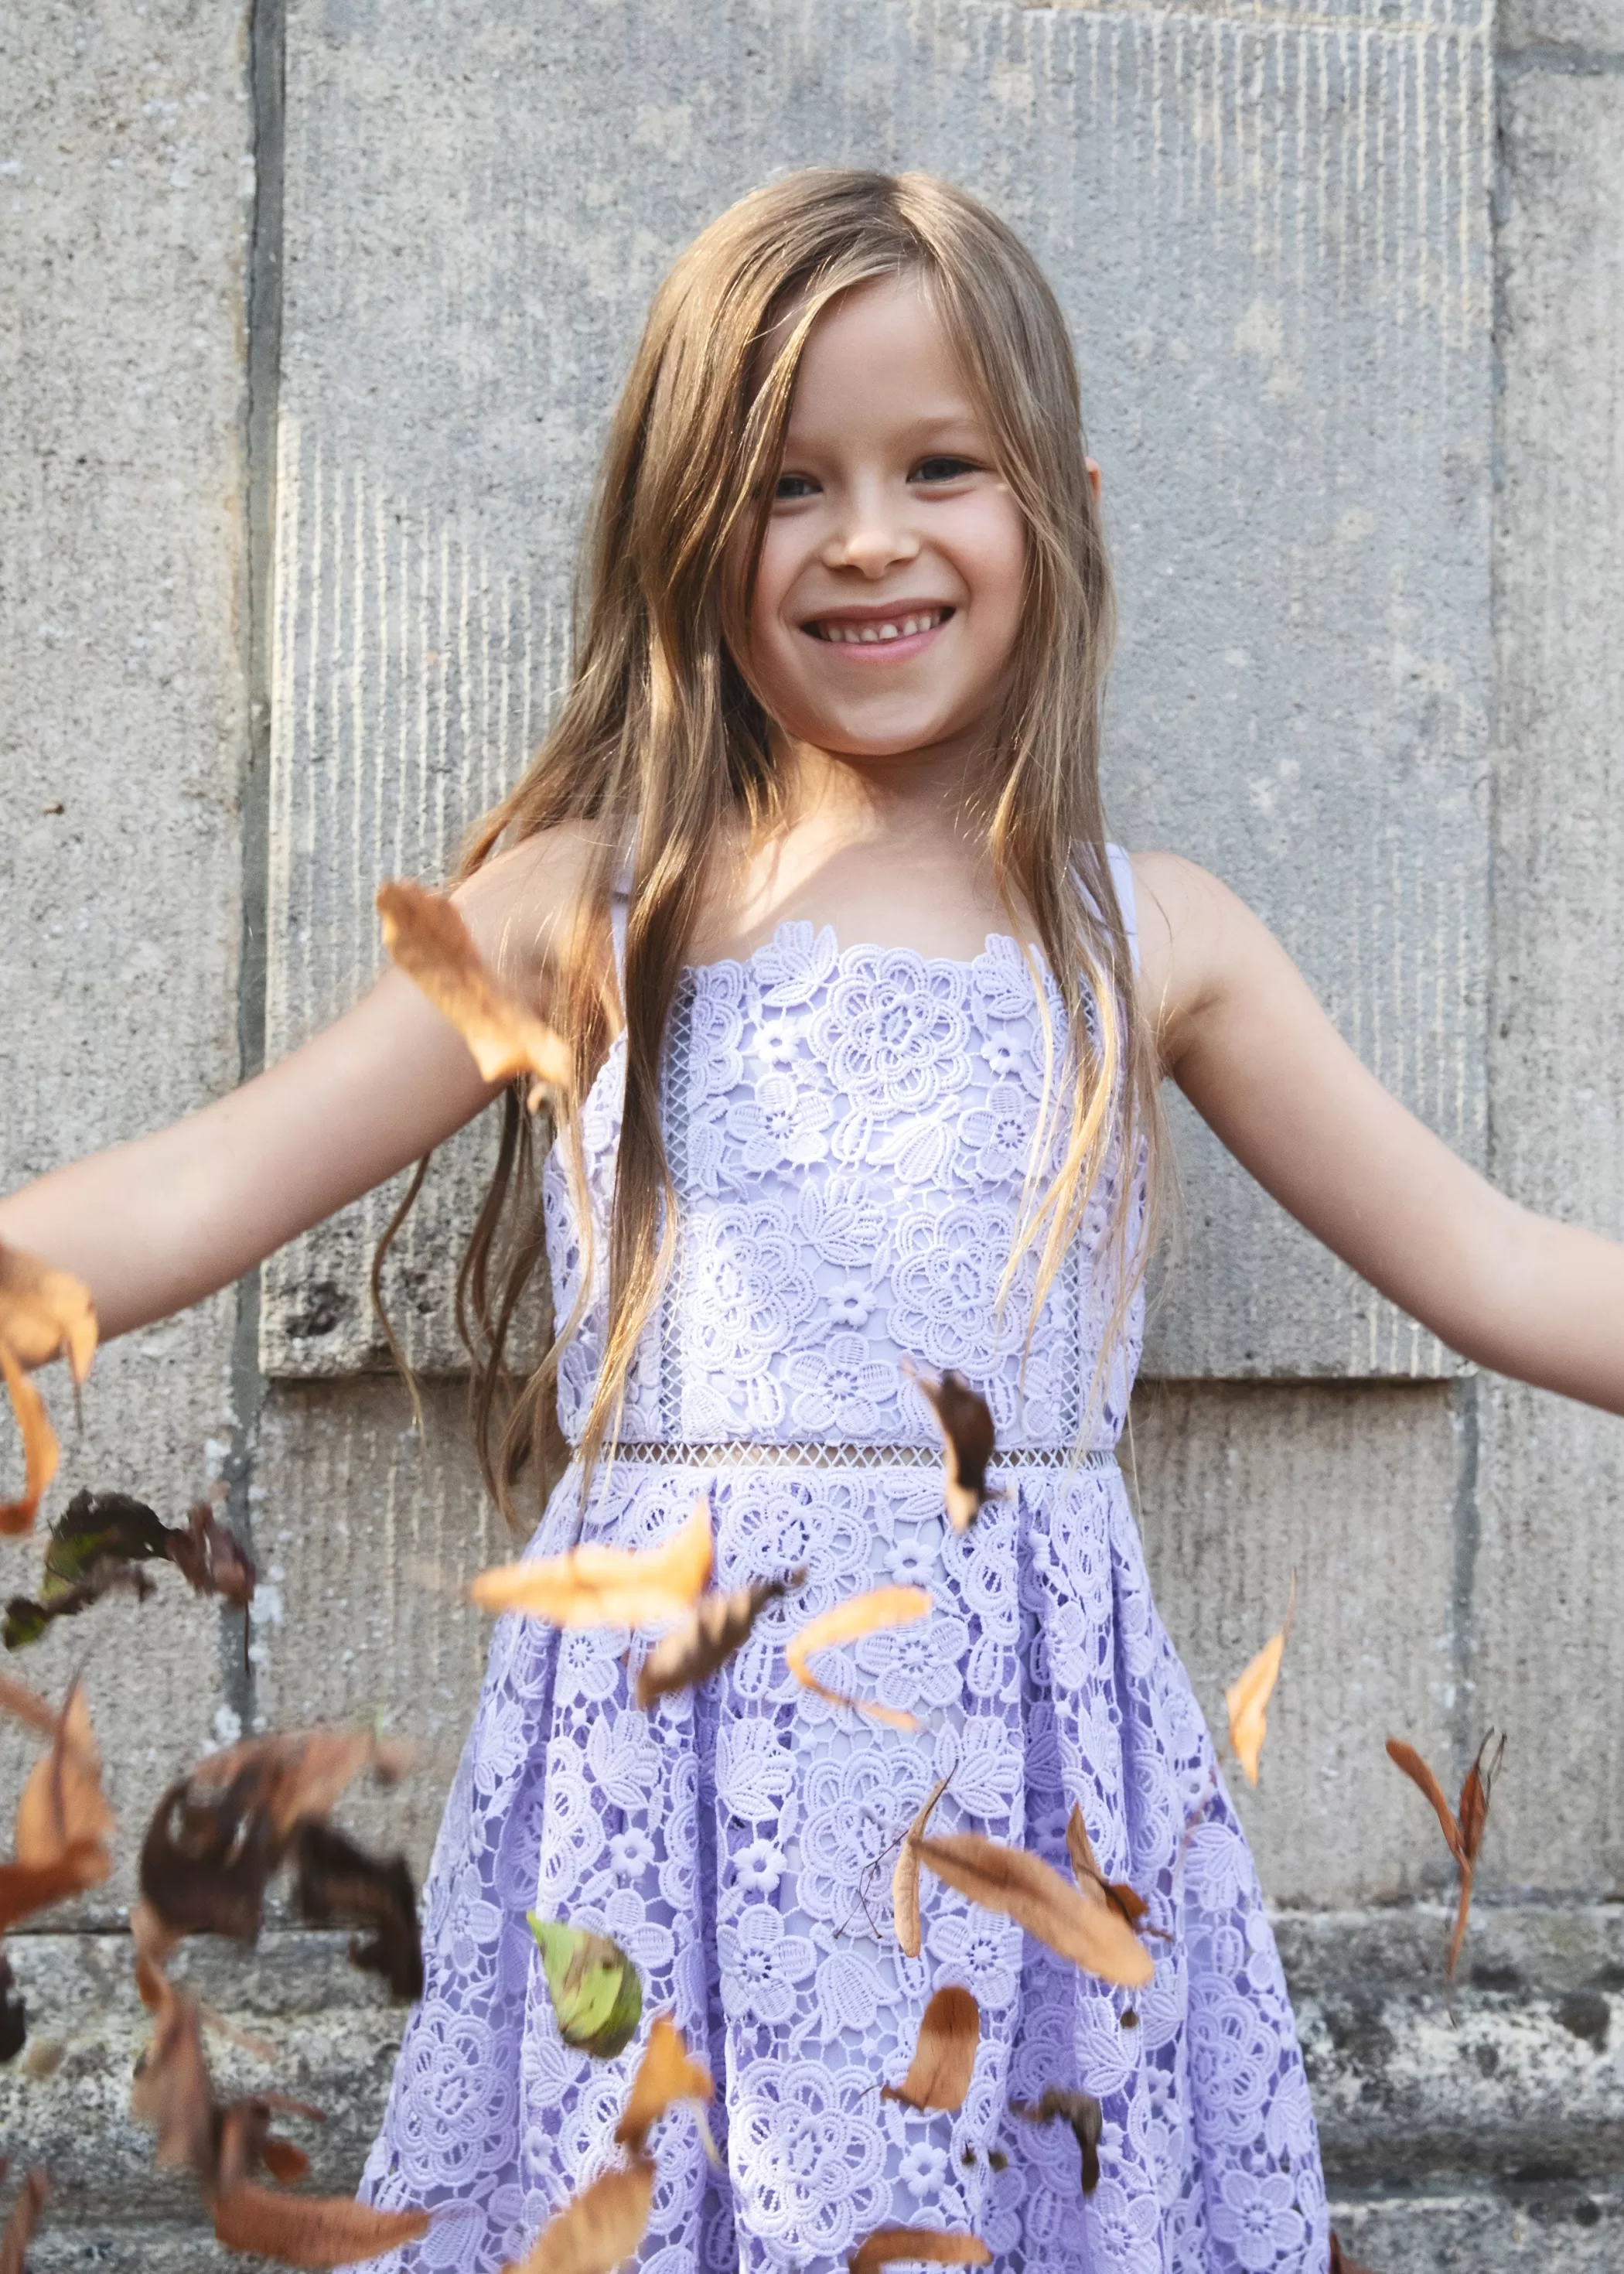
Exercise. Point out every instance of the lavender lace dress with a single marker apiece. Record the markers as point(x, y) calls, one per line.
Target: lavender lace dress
point(849, 1131)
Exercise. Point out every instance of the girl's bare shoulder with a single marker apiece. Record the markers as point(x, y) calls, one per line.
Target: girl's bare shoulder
point(1190, 926)
point(519, 904)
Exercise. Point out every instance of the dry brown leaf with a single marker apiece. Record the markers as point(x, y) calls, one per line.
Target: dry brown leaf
point(1247, 1698)
point(18, 2232)
point(594, 1586)
point(597, 2230)
point(965, 1419)
point(716, 1627)
point(1082, 2112)
point(62, 1818)
point(1024, 1888)
point(944, 2057)
point(41, 1451)
point(665, 2073)
point(45, 1313)
point(1463, 1827)
point(1341, 2263)
point(171, 2090)
point(1121, 1897)
point(905, 1878)
point(1405, 1756)
point(872, 1613)
point(903, 2246)
point(428, 940)
point(311, 2230)
point(25, 1705)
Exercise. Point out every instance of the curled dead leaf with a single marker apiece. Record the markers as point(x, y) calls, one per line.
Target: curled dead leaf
point(1463, 1827)
point(1123, 1899)
point(599, 2229)
point(98, 1541)
point(1025, 1889)
point(965, 1419)
point(1082, 2112)
point(903, 2246)
point(18, 2230)
point(64, 1823)
point(339, 1882)
point(427, 939)
point(944, 2056)
point(1248, 1696)
point(594, 1586)
point(718, 1626)
point(665, 2074)
point(311, 2230)
point(41, 1451)
point(905, 1878)
point(875, 1612)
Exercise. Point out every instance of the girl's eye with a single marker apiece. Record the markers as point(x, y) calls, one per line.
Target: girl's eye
point(941, 470)
point(794, 486)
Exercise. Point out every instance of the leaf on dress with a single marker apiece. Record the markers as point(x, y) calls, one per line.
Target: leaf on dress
point(43, 1315)
point(878, 1611)
point(98, 1541)
point(905, 1878)
point(427, 939)
point(1462, 1827)
point(944, 2057)
point(594, 1586)
point(665, 2074)
point(599, 2229)
point(1025, 1888)
point(717, 1628)
point(911, 2245)
point(595, 1990)
point(64, 1823)
point(965, 1419)
point(1248, 1696)
point(18, 2230)
point(1082, 2112)
point(338, 1882)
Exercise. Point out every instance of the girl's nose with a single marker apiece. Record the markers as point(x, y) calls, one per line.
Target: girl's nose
point(871, 543)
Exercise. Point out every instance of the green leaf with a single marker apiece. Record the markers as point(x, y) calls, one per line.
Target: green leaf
point(597, 1992)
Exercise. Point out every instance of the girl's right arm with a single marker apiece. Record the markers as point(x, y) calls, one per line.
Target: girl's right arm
point(156, 1224)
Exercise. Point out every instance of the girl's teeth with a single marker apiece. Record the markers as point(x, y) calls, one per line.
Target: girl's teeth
point(868, 635)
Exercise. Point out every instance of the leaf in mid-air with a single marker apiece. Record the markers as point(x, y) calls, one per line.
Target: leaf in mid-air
point(18, 2232)
point(1462, 1828)
point(944, 2056)
point(44, 1313)
point(1248, 1696)
point(716, 1627)
point(1025, 1888)
point(906, 2246)
point(965, 1419)
point(665, 2074)
point(905, 1878)
point(875, 1612)
point(596, 2230)
point(64, 1823)
point(427, 939)
point(338, 1882)
point(594, 1586)
point(595, 1990)
point(1082, 2112)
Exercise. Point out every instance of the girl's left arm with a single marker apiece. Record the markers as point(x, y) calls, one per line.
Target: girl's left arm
point(1245, 1039)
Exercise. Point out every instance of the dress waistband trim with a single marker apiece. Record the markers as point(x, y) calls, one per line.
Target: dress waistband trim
point(741, 1452)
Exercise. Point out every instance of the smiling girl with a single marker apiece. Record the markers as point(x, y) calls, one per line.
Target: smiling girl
point(868, 1022)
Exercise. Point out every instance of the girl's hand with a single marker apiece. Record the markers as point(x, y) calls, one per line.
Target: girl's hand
point(1252, 1051)
point(158, 1223)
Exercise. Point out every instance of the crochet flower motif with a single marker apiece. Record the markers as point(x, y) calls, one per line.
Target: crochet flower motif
point(839, 1390)
point(746, 1289)
point(1257, 2216)
point(980, 1949)
point(997, 1136)
point(783, 1125)
point(761, 1966)
point(810, 2161)
point(893, 1033)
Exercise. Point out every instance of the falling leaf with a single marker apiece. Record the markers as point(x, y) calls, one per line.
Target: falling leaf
point(43, 1315)
point(597, 2231)
point(597, 1992)
point(944, 2057)
point(1247, 1698)
point(665, 2073)
point(1025, 1888)
point(97, 1542)
point(429, 941)
point(41, 1451)
point(60, 1841)
point(337, 1880)
point(1082, 2112)
point(893, 2245)
point(311, 2230)
point(211, 1558)
point(965, 1419)
point(1341, 2263)
point(881, 1608)
point(171, 2090)
point(594, 1586)
point(713, 1630)
point(1462, 1828)
point(18, 2232)
point(13, 2014)
point(905, 1878)
point(1123, 1899)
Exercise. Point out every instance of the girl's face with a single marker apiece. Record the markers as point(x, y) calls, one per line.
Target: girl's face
point(890, 590)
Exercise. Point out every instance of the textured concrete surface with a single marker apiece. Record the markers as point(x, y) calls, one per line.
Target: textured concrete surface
point(1270, 231)
point(123, 137)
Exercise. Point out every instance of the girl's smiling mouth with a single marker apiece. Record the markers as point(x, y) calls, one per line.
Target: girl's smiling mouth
point(866, 634)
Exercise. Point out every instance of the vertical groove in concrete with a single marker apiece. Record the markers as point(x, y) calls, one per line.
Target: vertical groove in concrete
point(1468, 1530)
point(266, 30)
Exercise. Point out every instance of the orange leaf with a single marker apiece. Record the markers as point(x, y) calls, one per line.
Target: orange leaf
point(893, 2245)
point(45, 1313)
point(595, 1586)
point(429, 941)
point(1092, 1880)
point(1247, 1698)
point(1405, 1756)
point(41, 1451)
point(599, 2229)
point(665, 2074)
point(62, 1818)
point(880, 1608)
point(311, 2231)
point(24, 1704)
point(944, 2057)
point(1463, 1834)
point(905, 1878)
point(965, 1419)
point(1025, 1888)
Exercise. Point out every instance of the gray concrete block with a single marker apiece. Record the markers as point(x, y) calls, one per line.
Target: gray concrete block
point(1548, 1595)
point(1572, 33)
point(1355, 1490)
point(123, 146)
point(1269, 229)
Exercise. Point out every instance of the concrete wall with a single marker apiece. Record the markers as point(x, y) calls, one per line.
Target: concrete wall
point(1347, 282)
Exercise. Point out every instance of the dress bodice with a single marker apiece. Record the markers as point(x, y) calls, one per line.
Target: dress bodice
point(850, 1134)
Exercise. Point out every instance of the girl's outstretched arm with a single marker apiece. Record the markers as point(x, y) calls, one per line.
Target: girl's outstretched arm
point(1252, 1051)
point(158, 1223)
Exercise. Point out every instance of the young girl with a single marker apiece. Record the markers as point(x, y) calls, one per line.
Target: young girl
point(867, 1021)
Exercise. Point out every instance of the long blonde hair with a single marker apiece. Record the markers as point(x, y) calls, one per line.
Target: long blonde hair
point(662, 746)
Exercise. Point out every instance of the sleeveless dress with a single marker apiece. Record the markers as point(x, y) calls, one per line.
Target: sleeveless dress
point(850, 1131)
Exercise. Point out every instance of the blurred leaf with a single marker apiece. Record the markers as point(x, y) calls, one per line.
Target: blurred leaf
point(338, 1881)
point(875, 1612)
point(905, 1878)
point(94, 1545)
point(665, 2073)
point(43, 1315)
point(944, 2056)
point(597, 2231)
point(716, 1627)
point(594, 1586)
point(310, 2230)
point(1082, 2112)
point(24, 2217)
point(1247, 1698)
point(427, 939)
point(597, 1992)
point(965, 1419)
point(63, 1822)
point(13, 2013)
point(1025, 1888)
point(1122, 1898)
point(891, 2246)
point(41, 1451)
point(1462, 1830)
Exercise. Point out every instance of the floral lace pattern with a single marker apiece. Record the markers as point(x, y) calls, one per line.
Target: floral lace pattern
point(850, 1135)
